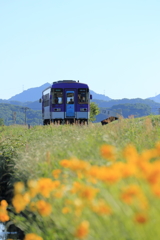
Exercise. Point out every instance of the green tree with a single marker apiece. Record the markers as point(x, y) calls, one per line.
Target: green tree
point(1, 121)
point(94, 110)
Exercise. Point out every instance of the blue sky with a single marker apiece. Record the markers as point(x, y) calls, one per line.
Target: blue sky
point(113, 46)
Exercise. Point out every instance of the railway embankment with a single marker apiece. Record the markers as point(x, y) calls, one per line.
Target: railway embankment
point(74, 182)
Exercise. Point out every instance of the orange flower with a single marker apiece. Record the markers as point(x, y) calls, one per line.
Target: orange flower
point(141, 218)
point(20, 201)
point(3, 215)
point(56, 173)
point(88, 192)
point(43, 208)
point(46, 185)
point(108, 152)
point(101, 208)
point(129, 192)
point(18, 187)
point(82, 230)
point(130, 154)
point(33, 188)
point(4, 204)
point(32, 236)
point(66, 210)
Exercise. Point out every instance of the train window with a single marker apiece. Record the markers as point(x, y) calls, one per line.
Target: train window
point(83, 94)
point(57, 95)
point(46, 100)
point(70, 97)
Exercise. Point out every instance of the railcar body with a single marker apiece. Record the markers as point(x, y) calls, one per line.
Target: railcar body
point(66, 101)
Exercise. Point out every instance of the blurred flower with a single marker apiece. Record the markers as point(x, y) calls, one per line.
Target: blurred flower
point(141, 218)
point(101, 208)
point(3, 212)
point(66, 210)
point(18, 187)
point(32, 236)
point(43, 208)
point(108, 152)
point(4, 204)
point(56, 173)
point(20, 201)
point(130, 153)
point(129, 193)
point(82, 230)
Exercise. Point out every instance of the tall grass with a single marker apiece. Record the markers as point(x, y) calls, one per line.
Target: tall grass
point(85, 196)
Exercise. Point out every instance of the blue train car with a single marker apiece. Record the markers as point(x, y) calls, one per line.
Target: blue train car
point(66, 101)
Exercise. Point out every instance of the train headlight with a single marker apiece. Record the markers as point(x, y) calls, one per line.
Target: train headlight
point(57, 109)
point(83, 109)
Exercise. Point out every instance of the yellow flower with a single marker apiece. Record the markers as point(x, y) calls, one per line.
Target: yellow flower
point(43, 208)
point(18, 187)
point(20, 201)
point(108, 152)
point(32, 236)
point(82, 230)
point(33, 188)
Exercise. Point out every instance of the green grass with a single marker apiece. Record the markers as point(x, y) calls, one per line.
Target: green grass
point(34, 153)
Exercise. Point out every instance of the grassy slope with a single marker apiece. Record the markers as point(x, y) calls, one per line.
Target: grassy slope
point(41, 148)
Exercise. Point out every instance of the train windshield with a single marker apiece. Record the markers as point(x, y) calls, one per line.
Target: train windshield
point(57, 96)
point(70, 97)
point(83, 94)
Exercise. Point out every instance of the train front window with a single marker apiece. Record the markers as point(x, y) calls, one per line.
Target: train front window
point(70, 97)
point(57, 96)
point(83, 94)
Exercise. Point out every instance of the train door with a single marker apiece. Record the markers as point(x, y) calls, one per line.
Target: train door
point(70, 104)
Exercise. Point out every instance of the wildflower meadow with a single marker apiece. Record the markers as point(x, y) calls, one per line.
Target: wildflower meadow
point(84, 182)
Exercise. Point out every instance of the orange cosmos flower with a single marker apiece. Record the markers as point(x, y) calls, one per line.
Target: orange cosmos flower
point(20, 201)
point(101, 208)
point(33, 187)
point(141, 218)
point(88, 192)
point(4, 204)
point(18, 187)
point(82, 230)
point(130, 154)
point(129, 192)
point(3, 213)
point(43, 208)
point(56, 173)
point(46, 185)
point(32, 236)
point(108, 152)
point(66, 210)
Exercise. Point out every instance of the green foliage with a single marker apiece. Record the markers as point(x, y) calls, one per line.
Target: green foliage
point(7, 112)
point(37, 151)
point(94, 110)
point(1, 121)
point(137, 110)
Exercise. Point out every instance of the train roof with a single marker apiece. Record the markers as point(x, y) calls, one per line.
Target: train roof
point(72, 83)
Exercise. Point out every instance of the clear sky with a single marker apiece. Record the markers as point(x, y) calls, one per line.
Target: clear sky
point(112, 45)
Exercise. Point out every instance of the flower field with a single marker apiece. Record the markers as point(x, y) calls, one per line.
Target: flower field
point(85, 182)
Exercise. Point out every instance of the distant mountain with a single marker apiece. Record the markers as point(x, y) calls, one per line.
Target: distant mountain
point(156, 98)
point(33, 94)
point(30, 95)
point(109, 104)
point(99, 96)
